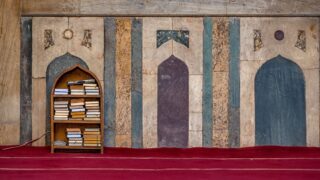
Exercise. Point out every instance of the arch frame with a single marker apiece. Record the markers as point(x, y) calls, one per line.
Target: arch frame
point(248, 72)
point(279, 134)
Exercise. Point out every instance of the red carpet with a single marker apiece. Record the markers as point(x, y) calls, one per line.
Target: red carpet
point(163, 163)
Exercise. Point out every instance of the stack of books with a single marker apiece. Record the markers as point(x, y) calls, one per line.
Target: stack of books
point(93, 110)
point(91, 89)
point(81, 87)
point(76, 89)
point(74, 136)
point(61, 110)
point(78, 112)
point(91, 137)
point(60, 91)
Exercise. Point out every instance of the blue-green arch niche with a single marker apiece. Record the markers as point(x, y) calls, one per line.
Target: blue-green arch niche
point(280, 110)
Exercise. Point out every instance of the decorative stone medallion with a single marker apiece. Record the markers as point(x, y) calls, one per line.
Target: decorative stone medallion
point(68, 34)
point(279, 35)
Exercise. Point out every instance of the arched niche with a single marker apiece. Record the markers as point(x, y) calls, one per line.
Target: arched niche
point(173, 103)
point(56, 67)
point(280, 107)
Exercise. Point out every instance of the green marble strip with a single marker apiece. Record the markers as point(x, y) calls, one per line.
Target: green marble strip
point(234, 83)
point(109, 81)
point(207, 83)
point(136, 83)
point(26, 82)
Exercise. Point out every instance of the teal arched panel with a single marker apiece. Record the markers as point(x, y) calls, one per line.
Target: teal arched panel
point(280, 108)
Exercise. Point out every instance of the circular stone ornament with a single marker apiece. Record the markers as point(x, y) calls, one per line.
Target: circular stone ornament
point(68, 34)
point(279, 35)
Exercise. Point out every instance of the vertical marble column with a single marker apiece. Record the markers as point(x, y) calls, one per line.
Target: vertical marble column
point(26, 83)
point(136, 82)
point(207, 83)
point(220, 81)
point(123, 82)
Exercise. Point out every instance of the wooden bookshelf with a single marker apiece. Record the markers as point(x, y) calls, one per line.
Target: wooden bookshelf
point(58, 127)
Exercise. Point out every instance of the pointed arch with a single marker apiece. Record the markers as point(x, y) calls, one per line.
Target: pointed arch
point(280, 108)
point(56, 67)
point(173, 103)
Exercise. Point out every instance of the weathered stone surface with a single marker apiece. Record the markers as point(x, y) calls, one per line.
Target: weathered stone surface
point(220, 107)
point(42, 57)
point(10, 72)
point(195, 138)
point(151, 58)
point(171, 7)
point(110, 81)
point(192, 56)
point(173, 103)
point(195, 122)
point(220, 45)
point(251, 62)
point(248, 70)
point(220, 81)
point(150, 106)
point(123, 81)
point(195, 93)
point(312, 106)
point(220, 140)
point(38, 110)
point(272, 47)
point(136, 82)
point(26, 84)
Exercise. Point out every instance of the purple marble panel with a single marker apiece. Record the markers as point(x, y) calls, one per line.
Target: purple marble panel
point(173, 103)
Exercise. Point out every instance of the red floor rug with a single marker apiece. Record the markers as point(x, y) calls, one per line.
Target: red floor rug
point(162, 163)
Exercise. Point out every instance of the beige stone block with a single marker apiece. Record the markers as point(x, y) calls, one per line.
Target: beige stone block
point(195, 138)
point(41, 57)
point(195, 121)
point(10, 133)
point(312, 106)
point(93, 56)
point(149, 119)
point(38, 110)
point(10, 72)
point(192, 56)
point(195, 93)
point(272, 47)
point(248, 71)
point(153, 56)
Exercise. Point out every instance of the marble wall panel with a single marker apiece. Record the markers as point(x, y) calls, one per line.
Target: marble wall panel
point(123, 82)
point(220, 81)
point(252, 60)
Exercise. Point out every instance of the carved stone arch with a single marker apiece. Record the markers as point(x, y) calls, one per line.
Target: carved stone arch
point(173, 103)
point(280, 107)
point(56, 67)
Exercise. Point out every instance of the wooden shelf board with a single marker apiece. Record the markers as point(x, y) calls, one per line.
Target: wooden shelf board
point(74, 121)
point(75, 96)
point(77, 147)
